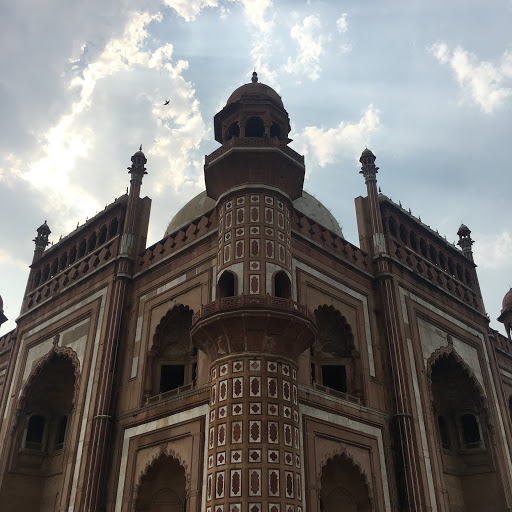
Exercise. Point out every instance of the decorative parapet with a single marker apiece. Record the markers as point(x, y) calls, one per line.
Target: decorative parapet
point(261, 142)
point(252, 302)
point(72, 273)
point(184, 236)
point(500, 342)
point(329, 240)
point(7, 340)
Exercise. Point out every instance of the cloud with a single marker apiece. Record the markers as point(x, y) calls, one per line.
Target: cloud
point(189, 9)
point(493, 251)
point(487, 84)
point(326, 146)
point(310, 42)
point(342, 24)
point(119, 97)
point(7, 259)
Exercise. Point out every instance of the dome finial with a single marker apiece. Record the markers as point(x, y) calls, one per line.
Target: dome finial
point(254, 78)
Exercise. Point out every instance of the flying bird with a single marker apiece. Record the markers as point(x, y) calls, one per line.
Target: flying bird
point(167, 102)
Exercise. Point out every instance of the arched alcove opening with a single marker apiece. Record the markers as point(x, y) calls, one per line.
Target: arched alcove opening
point(55, 267)
point(442, 261)
point(335, 361)
point(63, 261)
point(163, 487)
point(343, 487)
point(465, 448)
point(282, 285)
point(72, 254)
point(226, 287)
point(91, 245)
point(114, 226)
point(254, 127)
point(275, 130)
point(233, 131)
point(392, 226)
point(172, 359)
point(42, 441)
point(413, 242)
point(82, 246)
point(103, 235)
point(403, 234)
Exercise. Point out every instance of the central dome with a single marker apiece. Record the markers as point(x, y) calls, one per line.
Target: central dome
point(306, 204)
point(255, 90)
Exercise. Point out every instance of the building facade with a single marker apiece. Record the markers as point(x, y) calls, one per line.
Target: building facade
point(253, 360)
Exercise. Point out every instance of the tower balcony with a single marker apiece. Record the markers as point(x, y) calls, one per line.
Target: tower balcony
point(253, 323)
point(251, 161)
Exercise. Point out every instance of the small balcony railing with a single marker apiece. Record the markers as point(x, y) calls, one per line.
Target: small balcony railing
point(253, 302)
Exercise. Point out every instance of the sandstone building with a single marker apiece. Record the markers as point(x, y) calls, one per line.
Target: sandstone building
point(253, 360)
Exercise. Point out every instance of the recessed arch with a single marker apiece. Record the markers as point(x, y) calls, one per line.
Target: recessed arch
point(282, 285)
point(227, 284)
point(254, 127)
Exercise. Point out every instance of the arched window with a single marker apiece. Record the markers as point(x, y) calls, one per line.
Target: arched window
point(433, 255)
point(282, 285)
point(55, 267)
point(92, 242)
point(114, 225)
point(172, 360)
point(392, 226)
point(467, 277)
point(35, 432)
point(451, 267)
point(72, 254)
point(423, 248)
point(254, 127)
point(37, 278)
point(414, 244)
point(62, 424)
point(333, 364)
point(81, 248)
point(226, 285)
point(233, 131)
point(275, 130)
point(403, 234)
point(103, 235)
point(63, 261)
point(46, 272)
point(459, 272)
point(470, 431)
point(442, 261)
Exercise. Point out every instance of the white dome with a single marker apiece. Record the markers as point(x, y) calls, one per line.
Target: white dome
point(306, 204)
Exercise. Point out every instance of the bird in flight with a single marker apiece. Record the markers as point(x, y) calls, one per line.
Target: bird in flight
point(167, 102)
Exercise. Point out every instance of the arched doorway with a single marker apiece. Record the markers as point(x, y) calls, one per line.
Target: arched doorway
point(163, 487)
point(343, 487)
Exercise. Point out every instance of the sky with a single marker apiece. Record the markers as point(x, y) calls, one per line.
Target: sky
point(426, 85)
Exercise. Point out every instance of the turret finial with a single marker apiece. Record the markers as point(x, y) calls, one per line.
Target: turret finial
point(254, 78)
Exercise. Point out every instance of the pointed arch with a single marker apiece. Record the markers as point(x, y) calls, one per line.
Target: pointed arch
point(165, 454)
point(53, 353)
point(341, 457)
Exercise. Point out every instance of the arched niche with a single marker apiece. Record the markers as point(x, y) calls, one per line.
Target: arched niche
point(172, 359)
point(227, 285)
point(162, 487)
point(254, 127)
point(282, 285)
point(344, 487)
point(335, 360)
point(460, 421)
point(42, 433)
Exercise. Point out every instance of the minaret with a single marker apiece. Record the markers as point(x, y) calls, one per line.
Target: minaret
point(97, 471)
point(41, 241)
point(402, 422)
point(506, 313)
point(465, 242)
point(253, 331)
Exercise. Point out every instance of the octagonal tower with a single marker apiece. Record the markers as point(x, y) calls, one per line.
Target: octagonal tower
point(253, 331)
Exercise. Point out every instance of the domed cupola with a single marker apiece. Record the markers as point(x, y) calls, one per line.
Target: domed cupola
point(254, 110)
point(253, 129)
point(506, 313)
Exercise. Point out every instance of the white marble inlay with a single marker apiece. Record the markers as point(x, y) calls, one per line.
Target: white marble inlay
point(337, 419)
point(348, 291)
point(144, 428)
